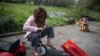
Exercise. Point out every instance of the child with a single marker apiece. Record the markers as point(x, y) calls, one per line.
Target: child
point(36, 23)
point(85, 19)
point(84, 23)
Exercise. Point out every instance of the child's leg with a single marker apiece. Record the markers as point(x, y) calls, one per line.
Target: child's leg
point(35, 53)
point(34, 41)
point(87, 28)
point(81, 27)
point(50, 35)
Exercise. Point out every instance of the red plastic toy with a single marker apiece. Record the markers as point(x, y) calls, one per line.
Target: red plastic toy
point(73, 50)
point(6, 53)
point(16, 48)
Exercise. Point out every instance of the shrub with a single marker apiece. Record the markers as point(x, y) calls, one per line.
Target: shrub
point(94, 16)
point(76, 12)
point(71, 21)
point(7, 24)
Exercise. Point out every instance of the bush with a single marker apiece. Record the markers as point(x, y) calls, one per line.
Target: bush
point(7, 24)
point(94, 16)
point(76, 12)
point(71, 21)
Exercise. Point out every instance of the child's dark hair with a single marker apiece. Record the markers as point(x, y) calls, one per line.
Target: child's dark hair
point(85, 16)
point(40, 15)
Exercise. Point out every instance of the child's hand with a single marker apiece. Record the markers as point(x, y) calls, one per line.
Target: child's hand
point(40, 29)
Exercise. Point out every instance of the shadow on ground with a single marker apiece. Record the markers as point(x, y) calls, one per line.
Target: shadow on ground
point(3, 42)
point(55, 52)
point(50, 52)
point(94, 32)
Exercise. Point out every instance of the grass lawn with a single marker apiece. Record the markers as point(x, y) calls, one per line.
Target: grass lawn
point(21, 12)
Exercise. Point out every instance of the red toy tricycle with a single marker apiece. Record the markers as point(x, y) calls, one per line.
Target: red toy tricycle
point(16, 48)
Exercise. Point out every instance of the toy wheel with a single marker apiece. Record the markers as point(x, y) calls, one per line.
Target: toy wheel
point(41, 49)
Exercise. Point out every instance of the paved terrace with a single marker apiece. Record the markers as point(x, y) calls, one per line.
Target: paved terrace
point(88, 41)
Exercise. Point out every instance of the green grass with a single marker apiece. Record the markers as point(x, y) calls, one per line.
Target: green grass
point(20, 12)
point(56, 21)
point(23, 11)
